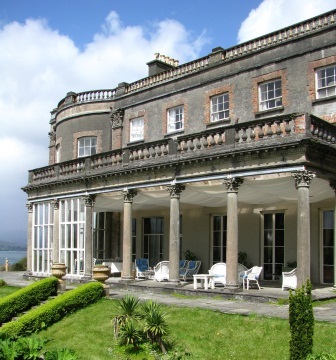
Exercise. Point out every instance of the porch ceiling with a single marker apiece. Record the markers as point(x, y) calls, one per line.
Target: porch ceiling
point(272, 189)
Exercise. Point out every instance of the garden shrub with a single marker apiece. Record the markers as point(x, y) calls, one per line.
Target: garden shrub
point(21, 265)
point(23, 299)
point(301, 321)
point(54, 310)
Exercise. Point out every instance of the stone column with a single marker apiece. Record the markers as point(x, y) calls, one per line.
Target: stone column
point(232, 186)
point(333, 186)
point(55, 204)
point(302, 183)
point(127, 235)
point(89, 203)
point(174, 232)
point(29, 239)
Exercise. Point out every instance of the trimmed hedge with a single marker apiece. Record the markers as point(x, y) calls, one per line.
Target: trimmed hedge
point(54, 310)
point(23, 299)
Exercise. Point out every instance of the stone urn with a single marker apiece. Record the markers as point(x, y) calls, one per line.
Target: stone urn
point(101, 273)
point(58, 270)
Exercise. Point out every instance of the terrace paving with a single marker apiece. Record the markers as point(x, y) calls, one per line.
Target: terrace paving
point(262, 302)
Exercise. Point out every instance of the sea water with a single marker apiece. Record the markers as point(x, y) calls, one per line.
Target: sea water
point(12, 256)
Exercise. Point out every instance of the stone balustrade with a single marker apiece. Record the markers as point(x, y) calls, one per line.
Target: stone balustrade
point(95, 95)
point(286, 34)
point(268, 131)
point(323, 130)
point(263, 129)
point(259, 44)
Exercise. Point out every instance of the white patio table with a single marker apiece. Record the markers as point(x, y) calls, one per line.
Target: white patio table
point(204, 279)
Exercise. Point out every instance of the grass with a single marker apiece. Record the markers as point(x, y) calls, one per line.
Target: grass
point(7, 290)
point(204, 334)
point(197, 334)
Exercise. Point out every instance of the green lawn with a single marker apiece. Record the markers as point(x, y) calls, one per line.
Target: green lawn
point(196, 333)
point(7, 290)
point(204, 334)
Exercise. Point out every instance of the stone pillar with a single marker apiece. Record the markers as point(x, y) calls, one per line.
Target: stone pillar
point(127, 235)
point(117, 119)
point(55, 204)
point(89, 203)
point(174, 232)
point(302, 183)
point(333, 186)
point(232, 186)
point(29, 239)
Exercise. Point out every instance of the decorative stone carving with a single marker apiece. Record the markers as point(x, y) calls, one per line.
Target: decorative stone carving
point(303, 178)
point(175, 190)
point(29, 207)
point(55, 204)
point(89, 200)
point(129, 195)
point(332, 183)
point(117, 118)
point(233, 184)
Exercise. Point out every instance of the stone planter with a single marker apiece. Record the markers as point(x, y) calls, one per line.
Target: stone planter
point(58, 270)
point(101, 273)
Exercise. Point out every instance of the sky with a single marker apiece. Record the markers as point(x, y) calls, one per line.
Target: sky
point(48, 48)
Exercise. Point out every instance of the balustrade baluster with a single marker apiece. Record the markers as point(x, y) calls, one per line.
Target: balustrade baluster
point(165, 149)
point(198, 143)
point(244, 135)
point(269, 129)
point(278, 128)
point(237, 136)
point(252, 134)
point(260, 132)
point(219, 139)
point(191, 144)
point(158, 150)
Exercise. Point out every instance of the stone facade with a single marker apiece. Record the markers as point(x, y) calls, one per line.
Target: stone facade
point(261, 149)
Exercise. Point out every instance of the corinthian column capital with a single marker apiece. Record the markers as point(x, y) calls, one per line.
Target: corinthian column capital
point(129, 195)
point(175, 190)
point(233, 184)
point(303, 178)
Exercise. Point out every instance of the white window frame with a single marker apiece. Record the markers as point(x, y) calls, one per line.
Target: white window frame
point(137, 129)
point(175, 119)
point(87, 146)
point(72, 235)
point(273, 245)
point(43, 227)
point(219, 107)
point(270, 95)
point(222, 241)
point(323, 266)
point(325, 82)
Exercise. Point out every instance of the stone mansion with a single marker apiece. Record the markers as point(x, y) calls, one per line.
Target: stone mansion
point(234, 152)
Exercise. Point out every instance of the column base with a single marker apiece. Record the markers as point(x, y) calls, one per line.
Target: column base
point(174, 282)
point(232, 288)
point(127, 279)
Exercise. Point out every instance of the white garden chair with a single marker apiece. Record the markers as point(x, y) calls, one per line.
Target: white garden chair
point(289, 280)
point(161, 271)
point(218, 271)
point(252, 275)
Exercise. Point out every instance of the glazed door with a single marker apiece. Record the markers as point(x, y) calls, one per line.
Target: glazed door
point(273, 244)
point(328, 243)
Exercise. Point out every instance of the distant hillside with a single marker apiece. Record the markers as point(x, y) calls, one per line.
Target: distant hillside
point(6, 246)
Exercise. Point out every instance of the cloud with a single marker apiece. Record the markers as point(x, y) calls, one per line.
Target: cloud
point(41, 65)
point(272, 15)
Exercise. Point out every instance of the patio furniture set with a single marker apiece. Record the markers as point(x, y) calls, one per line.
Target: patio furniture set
point(217, 274)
